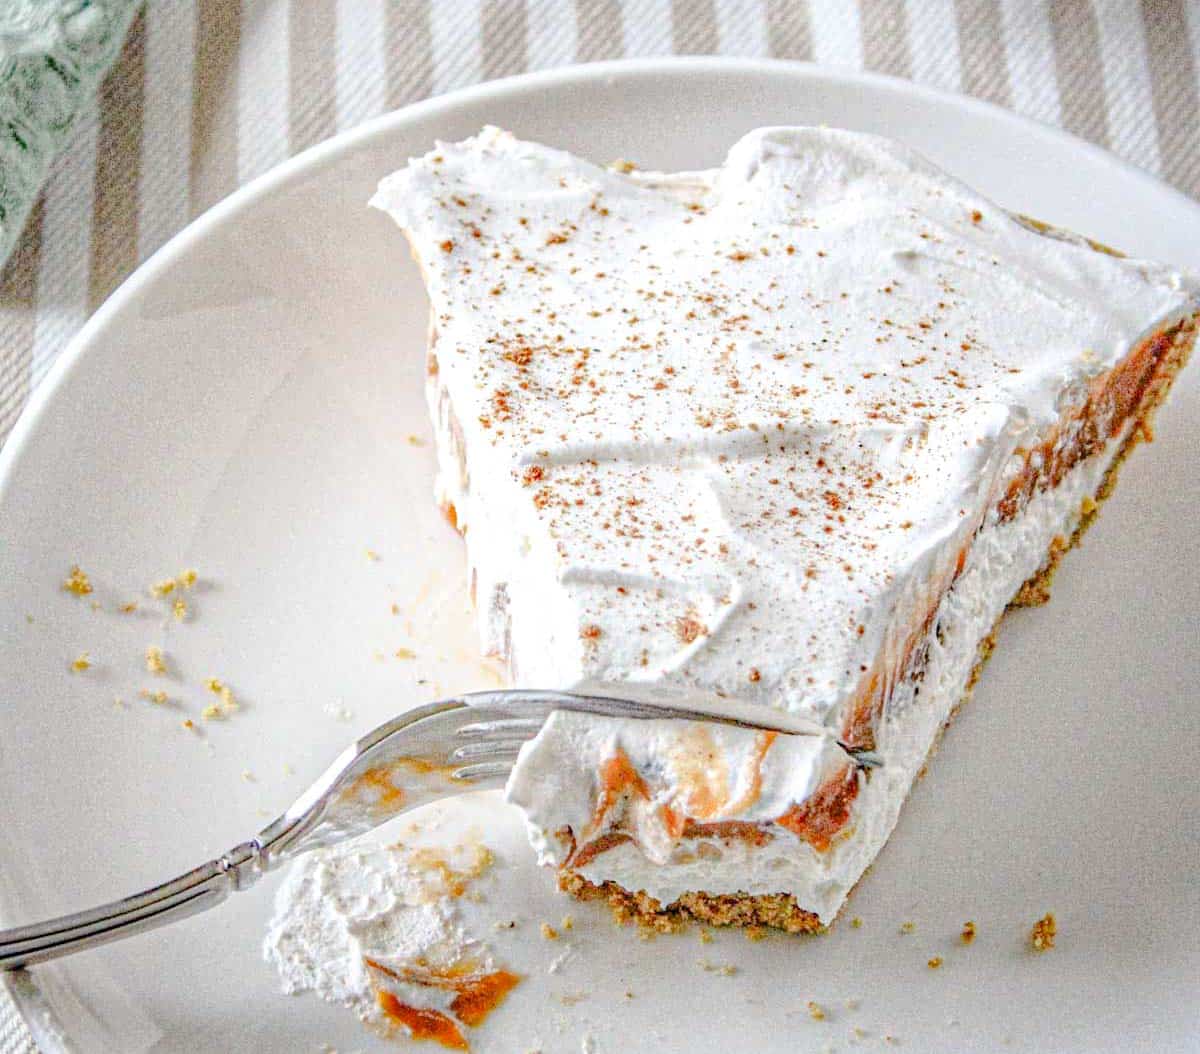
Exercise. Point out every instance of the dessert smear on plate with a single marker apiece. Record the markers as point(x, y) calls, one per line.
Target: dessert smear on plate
point(795, 431)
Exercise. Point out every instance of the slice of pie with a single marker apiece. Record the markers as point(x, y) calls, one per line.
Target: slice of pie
point(793, 431)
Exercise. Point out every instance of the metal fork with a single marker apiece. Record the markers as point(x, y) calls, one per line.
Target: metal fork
point(449, 747)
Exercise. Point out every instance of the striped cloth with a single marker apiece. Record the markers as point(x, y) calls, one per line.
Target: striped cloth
point(208, 94)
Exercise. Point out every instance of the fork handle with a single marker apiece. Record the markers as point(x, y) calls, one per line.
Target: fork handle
point(190, 893)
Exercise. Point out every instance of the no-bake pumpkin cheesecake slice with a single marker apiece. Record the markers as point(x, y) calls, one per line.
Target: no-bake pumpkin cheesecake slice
point(795, 431)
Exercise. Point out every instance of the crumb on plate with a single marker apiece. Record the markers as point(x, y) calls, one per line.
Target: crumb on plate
point(1041, 937)
point(155, 662)
point(724, 969)
point(77, 582)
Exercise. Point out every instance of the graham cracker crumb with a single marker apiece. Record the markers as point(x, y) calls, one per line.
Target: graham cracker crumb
point(179, 609)
point(935, 963)
point(568, 922)
point(816, 1011)
point(161, 589)
point(405, 653)
point(82, 663)
point(856, 923)
point(158, 697)
point(968, 933)
point(549, 932)
point(128, 608)
point(1041, 937)
point(218, 687)
point(155, 662)
point(77, 582)
point(908, 927)
point(724, 969)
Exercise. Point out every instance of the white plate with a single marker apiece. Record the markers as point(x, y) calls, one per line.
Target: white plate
point(242, 405)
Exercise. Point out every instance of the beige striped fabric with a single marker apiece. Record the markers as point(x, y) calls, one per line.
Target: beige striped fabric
point(208, 94)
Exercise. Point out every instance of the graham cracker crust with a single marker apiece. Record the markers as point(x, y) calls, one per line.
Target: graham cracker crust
point(780, 910)
point(775, 910)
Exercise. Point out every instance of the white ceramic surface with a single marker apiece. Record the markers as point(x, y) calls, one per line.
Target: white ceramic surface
point(243, 405)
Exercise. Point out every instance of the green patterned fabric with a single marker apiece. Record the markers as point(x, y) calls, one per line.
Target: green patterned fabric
point(53, 54)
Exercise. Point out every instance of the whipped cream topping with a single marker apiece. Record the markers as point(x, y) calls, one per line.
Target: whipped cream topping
point(735, 431)
point(735, 423)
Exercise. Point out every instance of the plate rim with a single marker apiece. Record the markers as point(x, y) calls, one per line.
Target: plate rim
point(36, 1011)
